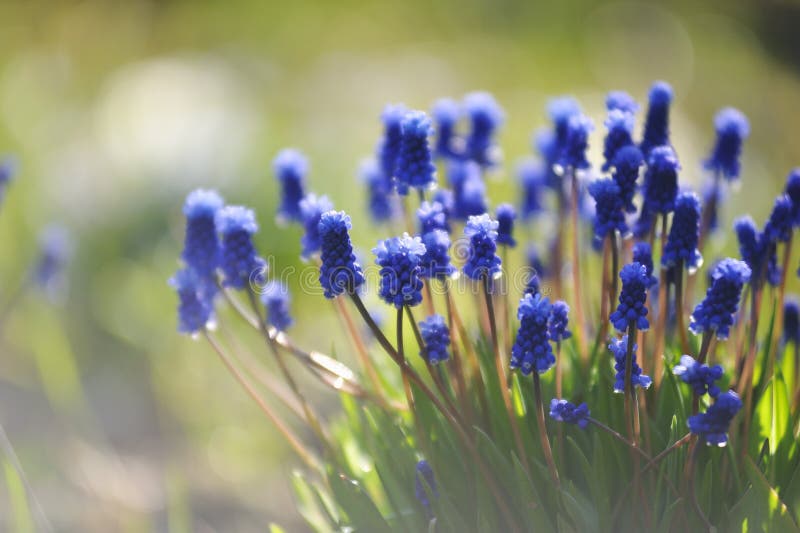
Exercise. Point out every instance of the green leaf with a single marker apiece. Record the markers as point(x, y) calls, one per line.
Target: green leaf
point(761, 505)
point(21, 516)
point(362, 513)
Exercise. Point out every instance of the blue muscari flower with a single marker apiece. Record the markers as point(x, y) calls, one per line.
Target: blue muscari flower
point(339, 271)
point(532, 349)
point(609, 210)
point(506, 214)
point(414, 166)
point(195, 311)
point(561, 110)
point(627, 162)
point(713, 196)
point(716, 312)
point(446, 113)
point(793, 192)
point(779, 224)
point(290, 168)
point(661, 180)
point(643, 254)
point(620, 134)
point(619, 348)
point(631, 310)
point(400, 259)
point(431, 216)
point(532, 175)
point(436, 261)
point(534, 260)
point(389, 146)
point(656, 125)
point(713, 424)
point(558, 322)
point(436, 338)
point(447, 199)
point(485, 116)
point(482, 262)
point(545, 142)
point(568, 412)
point(622, 101)
point(7, 171)
point(55, 250)
point(238, 261)
point(425, 488)
point(311, 208)
point(201, 244)
point(469, 190)
point(533, 285)
point(732, 129)
point(681, 247)
point(275, 297)
point(755, 249)
point(379, 189)
point(791, 321)
point(701, 378)
point(573, 152)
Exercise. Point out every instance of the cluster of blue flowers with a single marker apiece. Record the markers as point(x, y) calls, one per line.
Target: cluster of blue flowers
point(638, 184)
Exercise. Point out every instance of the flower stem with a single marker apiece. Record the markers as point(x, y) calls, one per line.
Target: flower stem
point(311, 417)
point(580, 319)
point(502, 376)
point(548, 452)
point(630, 392)
point(306, 455)
point(661, 322)
point(486, 473)
point(681, 321)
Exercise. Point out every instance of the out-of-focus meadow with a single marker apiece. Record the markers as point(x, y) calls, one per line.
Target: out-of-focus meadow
point(115, 110)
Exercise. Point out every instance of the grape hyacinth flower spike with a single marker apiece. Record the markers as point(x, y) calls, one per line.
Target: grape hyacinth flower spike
point(620, 135)
point(713, 425)
point(312, 208)
point(414, 167)
point(435, 263)
point(627, 163)
point(446, 113)
point(379, 188)
point(431, 216)
point(660, 186)
point(389, 146)
point(340, 273)
point(558, 322)
point(780, 222)
point(621, 101)
point(485, 117)
point(275, 297)
point(791, 321)
point(506, 214)
point(201, 244)
point(400, 259)
point(239, 261)
point(609, 210)
point(436, 338)
point(195, 311)
point(425, 488)
point(643, 254)
point(469, 190)
point(619, 349)
point(656, 125)
point(532, 176)
point(532, 350)
point(700, 377)
point(732, 129)
point(793, 192)
point(290, 167)
point(717, 311)
point(573, 152)
point(483, 262)
point(632, 311)
point(681, 247)
point(55, 250)
point(569, 413)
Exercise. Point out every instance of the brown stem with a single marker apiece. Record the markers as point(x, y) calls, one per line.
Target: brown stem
point(306, 455)
point(311, 417)
point(461, 384)
point(548, 452)
point(502, 376)
point(681, 321)
point(361, 349)
point(580, 319)
point(494, 488)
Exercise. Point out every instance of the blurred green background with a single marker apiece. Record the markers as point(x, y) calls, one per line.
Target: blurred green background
point(115, 110)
